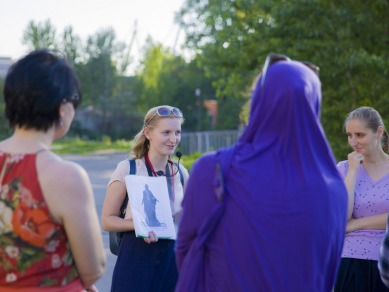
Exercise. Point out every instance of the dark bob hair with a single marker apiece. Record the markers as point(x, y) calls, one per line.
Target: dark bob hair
point(36, 86)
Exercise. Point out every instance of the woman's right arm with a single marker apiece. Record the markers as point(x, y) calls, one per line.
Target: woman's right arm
point(68, 192)
point(354, 162)
point(114, 197)
point(350, 186)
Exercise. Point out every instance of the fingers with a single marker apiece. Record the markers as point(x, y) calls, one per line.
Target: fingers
point(355, 158)
point(152, 237)
point(358, 156)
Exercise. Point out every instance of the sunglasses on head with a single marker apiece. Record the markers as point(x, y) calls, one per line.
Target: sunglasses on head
point(165, 111)
point(274, 58)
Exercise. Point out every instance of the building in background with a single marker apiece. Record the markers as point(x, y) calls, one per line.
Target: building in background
point(211, 106)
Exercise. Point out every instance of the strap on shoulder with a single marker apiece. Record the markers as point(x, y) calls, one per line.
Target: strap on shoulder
point(132, 166)
point(223, 160)
point(181, 174)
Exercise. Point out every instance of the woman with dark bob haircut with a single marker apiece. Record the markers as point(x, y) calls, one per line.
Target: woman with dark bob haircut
point(49, 229)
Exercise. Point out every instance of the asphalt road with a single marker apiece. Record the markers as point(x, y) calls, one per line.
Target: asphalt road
point(100, 168)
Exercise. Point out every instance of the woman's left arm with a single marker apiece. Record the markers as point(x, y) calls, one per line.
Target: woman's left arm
point(370, 222)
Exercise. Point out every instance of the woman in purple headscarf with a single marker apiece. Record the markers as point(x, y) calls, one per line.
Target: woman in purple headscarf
point(280, 223)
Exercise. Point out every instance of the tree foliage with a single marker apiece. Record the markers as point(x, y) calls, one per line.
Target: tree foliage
point(100, 64)
point(349, 40)
point(99, 76)
point(120, 101)
point(40, 35)
point(165, 78)
point(71, 45)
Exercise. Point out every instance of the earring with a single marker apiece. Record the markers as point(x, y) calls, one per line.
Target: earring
point(61, 123)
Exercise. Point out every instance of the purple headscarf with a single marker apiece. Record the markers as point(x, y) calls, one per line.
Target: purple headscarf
point(284, 116)
point(284, 223)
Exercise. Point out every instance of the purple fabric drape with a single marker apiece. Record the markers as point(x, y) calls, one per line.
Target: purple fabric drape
point(284, 223)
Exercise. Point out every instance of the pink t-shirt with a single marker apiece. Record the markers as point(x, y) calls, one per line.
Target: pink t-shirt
point(370, 198)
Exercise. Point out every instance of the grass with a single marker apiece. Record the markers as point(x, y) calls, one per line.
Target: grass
point(105, 145)
point(188, 160)
point(79, 146)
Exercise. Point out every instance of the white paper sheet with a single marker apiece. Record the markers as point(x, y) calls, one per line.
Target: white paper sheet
point(150, 206)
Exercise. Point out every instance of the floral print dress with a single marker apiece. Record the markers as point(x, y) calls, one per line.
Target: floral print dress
point(34, 250)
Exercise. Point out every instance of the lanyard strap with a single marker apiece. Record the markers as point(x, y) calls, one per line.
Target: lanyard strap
point(149, 166)
point(170, 181)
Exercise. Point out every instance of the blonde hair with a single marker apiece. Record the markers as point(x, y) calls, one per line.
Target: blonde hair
point(141, 143)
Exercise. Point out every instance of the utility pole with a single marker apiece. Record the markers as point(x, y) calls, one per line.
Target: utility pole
point(127, 57)
point(176, 40)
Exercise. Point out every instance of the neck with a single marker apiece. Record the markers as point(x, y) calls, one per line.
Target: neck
point(30, 140)
point(377, 157)
point(158, 161)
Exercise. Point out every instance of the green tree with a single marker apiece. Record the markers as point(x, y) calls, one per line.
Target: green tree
point(225, 34)
point(71, 45)
point(148, 75)
point(40, 35)
point(347, 39)
point(191, 78)
point(100, 64)
point(101, 71)
point(102, 85)
point(165, 78)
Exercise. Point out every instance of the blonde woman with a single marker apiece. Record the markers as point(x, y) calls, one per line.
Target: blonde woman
point(147, 264)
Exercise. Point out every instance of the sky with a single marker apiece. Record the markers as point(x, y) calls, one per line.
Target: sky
point(153, 17)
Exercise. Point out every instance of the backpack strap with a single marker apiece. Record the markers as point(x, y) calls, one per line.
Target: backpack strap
point(181, 174)
point(132, 166)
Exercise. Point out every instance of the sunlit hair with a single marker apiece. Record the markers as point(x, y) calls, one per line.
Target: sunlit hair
point(372, 120)
point(141, 143)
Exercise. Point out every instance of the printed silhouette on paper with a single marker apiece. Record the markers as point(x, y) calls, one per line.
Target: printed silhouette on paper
point(149, 203)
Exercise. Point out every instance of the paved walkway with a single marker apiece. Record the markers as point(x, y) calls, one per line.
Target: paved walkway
point(100, 168)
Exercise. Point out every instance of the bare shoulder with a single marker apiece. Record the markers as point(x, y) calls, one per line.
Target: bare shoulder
point(65, 184)
point(51, 167)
